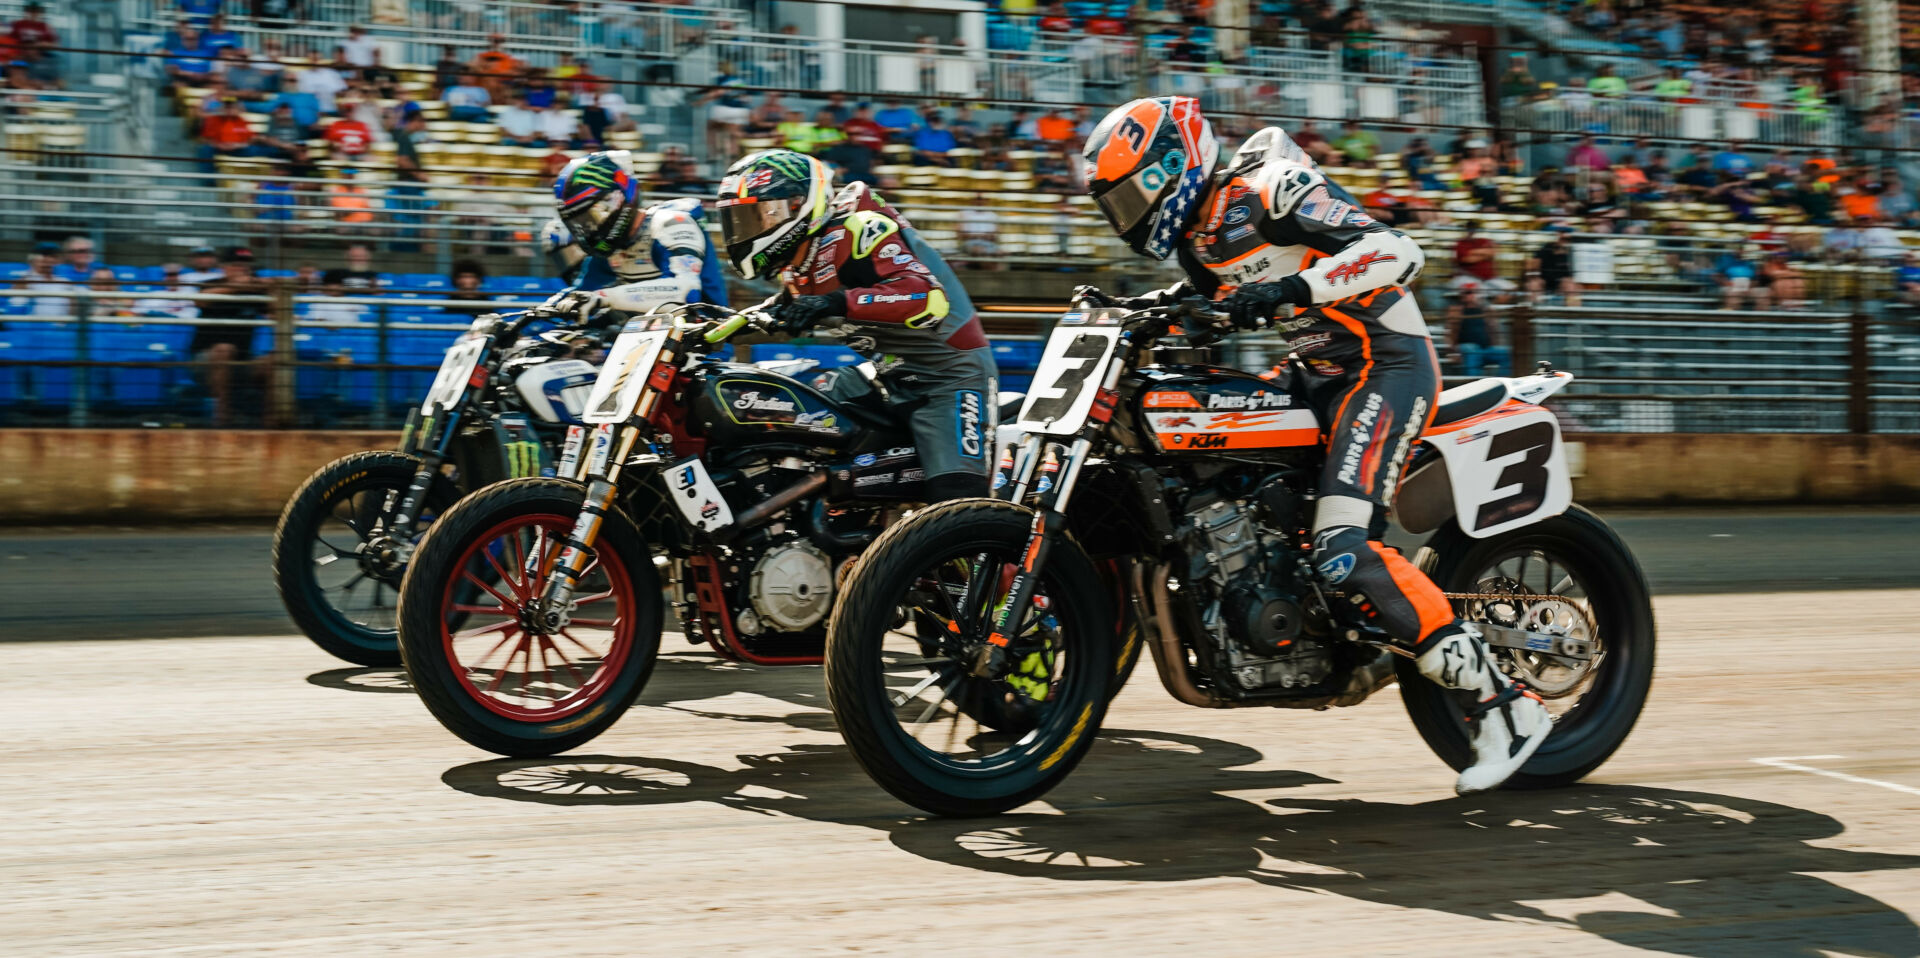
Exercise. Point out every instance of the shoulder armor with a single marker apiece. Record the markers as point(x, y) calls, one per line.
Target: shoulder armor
point(867, 229)
point(1284, 184)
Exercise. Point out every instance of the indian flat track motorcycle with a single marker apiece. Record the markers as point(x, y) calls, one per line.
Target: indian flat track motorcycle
point(1199, 483)
point(498, 408)
point(531, 615)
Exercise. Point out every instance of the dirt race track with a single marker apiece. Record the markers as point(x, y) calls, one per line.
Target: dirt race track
point(247, 795)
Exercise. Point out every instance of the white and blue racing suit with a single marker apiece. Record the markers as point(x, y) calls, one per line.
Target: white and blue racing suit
point(670, 260)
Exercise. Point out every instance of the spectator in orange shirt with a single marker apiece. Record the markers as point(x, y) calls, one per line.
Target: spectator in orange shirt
point(1858, 203)
point(227, 133)
point(1055, 128)
point(496, 67)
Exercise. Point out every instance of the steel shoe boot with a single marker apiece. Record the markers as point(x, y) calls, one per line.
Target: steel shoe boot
point(1506, 723)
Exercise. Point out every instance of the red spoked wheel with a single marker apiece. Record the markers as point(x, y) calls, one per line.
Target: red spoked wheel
point(523, 671)
point(486, 661)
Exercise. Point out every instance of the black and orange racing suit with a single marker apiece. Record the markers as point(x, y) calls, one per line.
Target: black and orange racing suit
point(924, 340)
point(1271, 218)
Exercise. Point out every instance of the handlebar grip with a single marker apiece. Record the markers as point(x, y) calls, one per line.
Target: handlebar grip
point(721, 332)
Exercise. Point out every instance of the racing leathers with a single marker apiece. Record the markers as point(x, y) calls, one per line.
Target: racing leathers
point(1282, 247)
point(914, 323)
point(670, 259)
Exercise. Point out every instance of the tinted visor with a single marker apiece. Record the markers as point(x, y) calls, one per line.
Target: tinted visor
point(745, 220)
point(1127, 203)
point(593, 227)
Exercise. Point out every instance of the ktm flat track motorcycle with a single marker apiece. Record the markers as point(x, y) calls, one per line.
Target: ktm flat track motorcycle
point(496, 409)
point(1198, 482)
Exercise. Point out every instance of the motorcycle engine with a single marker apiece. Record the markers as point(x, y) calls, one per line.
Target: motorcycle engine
point(792, 586)
point(1248, 596)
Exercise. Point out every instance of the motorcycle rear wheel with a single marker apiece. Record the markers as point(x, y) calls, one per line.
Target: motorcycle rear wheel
point(1588, 729)
point(952, 760)
point(462, 605)
point(366, 485)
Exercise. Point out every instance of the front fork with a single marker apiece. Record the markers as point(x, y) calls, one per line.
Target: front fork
point(419, 433)
point(1057, 476)
point(610, 448)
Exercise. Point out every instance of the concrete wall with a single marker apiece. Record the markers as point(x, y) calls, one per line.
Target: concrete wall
point(164, 475)
point(161, 475)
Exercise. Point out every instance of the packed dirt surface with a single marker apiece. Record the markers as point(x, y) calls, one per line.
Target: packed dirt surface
point(247, 795)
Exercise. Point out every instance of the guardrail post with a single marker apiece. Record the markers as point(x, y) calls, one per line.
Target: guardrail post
point(280, 385)
point(1859, 375)
point(82, 354)
point(1520, 332)
point(380, 374)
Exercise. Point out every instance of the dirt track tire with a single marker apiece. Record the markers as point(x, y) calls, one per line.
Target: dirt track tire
point(1623, 609)
point(293, 567)
point(856, 686)
point(429, 587)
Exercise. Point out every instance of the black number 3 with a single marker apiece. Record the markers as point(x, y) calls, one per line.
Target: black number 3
point(1530, 473)
point(1054, 399)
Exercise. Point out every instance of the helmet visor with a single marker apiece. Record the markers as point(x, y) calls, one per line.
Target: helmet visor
point(593, 227)
point(1127, 203)
point(749, 219)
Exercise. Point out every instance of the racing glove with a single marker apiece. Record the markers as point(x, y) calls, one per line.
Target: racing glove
point(1254, 305)
point(1159, 297)
point(799, 314)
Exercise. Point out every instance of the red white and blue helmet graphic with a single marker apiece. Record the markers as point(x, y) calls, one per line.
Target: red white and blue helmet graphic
point(599, 201)
point(1148, 163)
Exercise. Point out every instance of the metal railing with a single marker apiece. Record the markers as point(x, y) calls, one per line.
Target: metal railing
point(70, 126)
point(1688, 119)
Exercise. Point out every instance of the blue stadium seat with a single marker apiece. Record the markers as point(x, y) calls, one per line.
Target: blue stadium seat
point(415, 347)
point(1017, 384)
point(156, 274)
point(12, 270)
point(277, 273)
point(418, 281)
point(132, 386)
point(11, 343)
point(1021, 356)
point(49, 386)
point(518, 284)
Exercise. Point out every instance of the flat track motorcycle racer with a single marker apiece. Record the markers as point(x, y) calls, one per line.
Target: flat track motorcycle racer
point(1198, 481)
point(532, 613)
point(497, 409)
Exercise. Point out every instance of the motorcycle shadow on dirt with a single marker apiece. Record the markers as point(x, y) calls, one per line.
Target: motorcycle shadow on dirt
point(383, 678)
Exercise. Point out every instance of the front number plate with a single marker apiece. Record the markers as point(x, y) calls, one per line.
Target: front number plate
point(1070, 372)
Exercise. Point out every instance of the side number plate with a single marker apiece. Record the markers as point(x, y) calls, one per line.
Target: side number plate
point(696, 495)
point(1507, 472)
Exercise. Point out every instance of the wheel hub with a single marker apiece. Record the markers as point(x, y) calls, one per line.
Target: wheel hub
point(381, 558)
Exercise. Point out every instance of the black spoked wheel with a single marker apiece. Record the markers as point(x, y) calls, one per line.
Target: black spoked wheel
point(337, 566)
point(476, 643)
point(902, 640)
point(1569, 575)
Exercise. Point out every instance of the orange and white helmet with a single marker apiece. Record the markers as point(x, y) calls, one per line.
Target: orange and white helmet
point(1148, 163)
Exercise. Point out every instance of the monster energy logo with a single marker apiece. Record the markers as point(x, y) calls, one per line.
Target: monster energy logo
point(593, 176)
point(787, 163)
point(523, 459)
point(426, 430)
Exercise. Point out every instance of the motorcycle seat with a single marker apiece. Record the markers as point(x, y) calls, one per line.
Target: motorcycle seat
point(1471, 399)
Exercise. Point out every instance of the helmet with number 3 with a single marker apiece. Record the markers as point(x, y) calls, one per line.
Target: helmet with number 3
point(1148, 163)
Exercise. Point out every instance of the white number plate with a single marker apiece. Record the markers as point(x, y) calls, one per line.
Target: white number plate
point(617, 391)
point(1506, 472)
point(696, 495)
point(455, 370)
point(1071, 369)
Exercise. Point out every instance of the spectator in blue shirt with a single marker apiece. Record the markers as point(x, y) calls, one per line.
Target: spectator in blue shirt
point(77, 260)
point(189, 59)
point(1907, 277)
point(276, 195)
point(899, 120)
point(216, 36)
point(200, 11)
point(468, 101)
point(305, 108)
point(933, 142)
point(1731, 160)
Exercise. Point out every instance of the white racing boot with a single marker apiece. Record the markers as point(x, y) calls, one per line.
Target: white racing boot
point(1506, 724)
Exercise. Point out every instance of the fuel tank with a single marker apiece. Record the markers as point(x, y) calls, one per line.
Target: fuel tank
point(740, 404)
point(1196, 410)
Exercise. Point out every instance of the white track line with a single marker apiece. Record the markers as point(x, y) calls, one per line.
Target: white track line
point(1791, 763)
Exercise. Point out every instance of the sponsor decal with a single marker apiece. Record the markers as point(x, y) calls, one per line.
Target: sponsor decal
point(1325, 368)
point(1237, 215)
point(1209, 440)
point(875, 298)
point(912, 475)
point(1239, 232)
point(1174, 162)
point(825, 381)
point(916, 266)
point(891, 250)
point(1296, 324)
point(1310, 342)
point(969, 410)
point(1045, 483)
point(1336, 569)
point(824, 274)
point(1259, 399)
point(821, 421)
point(1361, 436)
point(1176, 422)
point(1000, 480)
point(865, 459)
point(1073, 319)
point(709, 510)
point(753, 400)
point(1175, 400)
point(1348, 272)
point(1467, 437)
point(523, 459)
point(877, 479)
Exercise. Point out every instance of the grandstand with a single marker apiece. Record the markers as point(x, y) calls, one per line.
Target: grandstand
point(1692, 152)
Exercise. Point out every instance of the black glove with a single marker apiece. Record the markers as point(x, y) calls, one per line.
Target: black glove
point(1253, 306)
point(799, 314)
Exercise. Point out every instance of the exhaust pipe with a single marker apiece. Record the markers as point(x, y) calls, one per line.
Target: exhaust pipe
point(1169, 659)
point(780, 500)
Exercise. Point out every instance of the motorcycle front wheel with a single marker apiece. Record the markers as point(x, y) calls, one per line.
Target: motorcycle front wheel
point(480, 658)
point(914, 715)
point(337, 574)
point(1569, 575)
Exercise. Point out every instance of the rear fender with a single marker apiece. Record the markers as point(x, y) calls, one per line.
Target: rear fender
point(1497, 471)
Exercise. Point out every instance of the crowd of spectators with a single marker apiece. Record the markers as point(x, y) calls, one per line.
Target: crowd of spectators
point(28, 53)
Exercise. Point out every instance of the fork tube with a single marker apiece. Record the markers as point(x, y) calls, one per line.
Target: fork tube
point(577, 549)
point(400, 526)
point(1030, 449)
